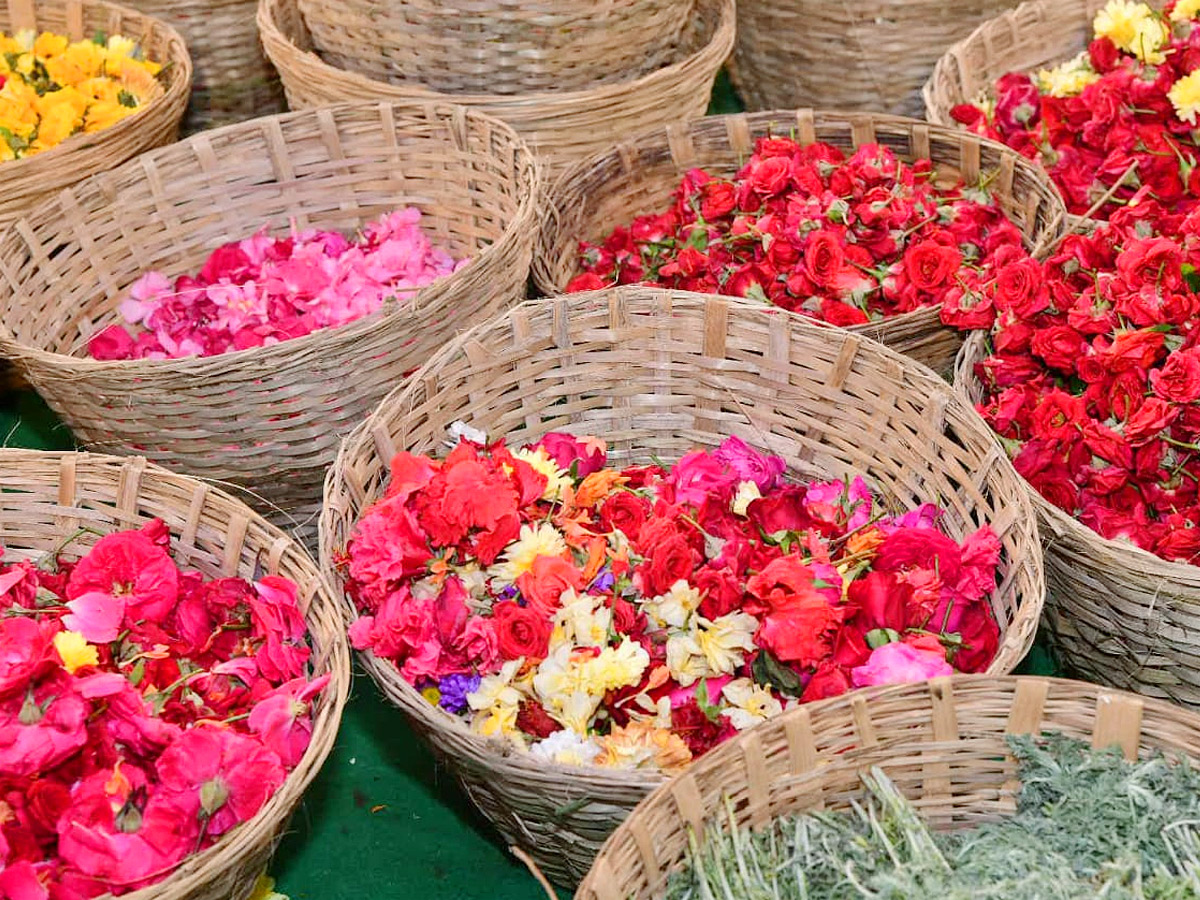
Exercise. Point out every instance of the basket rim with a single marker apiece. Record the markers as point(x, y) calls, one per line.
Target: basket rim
point(270, 820)
point(527, 191)
point(723, 35)
point(499, 755)
point(1129, 557)
point(176, 90)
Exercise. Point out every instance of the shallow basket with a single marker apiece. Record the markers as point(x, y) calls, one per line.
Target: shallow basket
point(942, 742)
point(268, 419)
point(832, 53)
point(656, 373)
point(560, 125)
point(47, 498)
point(233, 79)
point(639, 175)
point(25, 182)
point(1118, 614)
point(497, 46)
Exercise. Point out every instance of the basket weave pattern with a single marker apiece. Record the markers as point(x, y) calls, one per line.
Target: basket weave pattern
point(942, 742)
point(658, 373)
point(270, 418)
point(560, 126)
point(46, 498)
point(1118, 614)
point(233, 80)
point(25, 182)
point(640, 174)
point(838, 53)
point(497, 46)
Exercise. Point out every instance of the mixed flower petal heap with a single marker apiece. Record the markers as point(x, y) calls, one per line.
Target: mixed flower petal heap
point(263, 290)
point(635, 617)
point(1093, 377)
point(51, 88)
point(1123, 109)
point(144, 712)
point(802, 227)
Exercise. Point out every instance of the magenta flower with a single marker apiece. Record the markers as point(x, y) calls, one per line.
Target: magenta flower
point(898, 663)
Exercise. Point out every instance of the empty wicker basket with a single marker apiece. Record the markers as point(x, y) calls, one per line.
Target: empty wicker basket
point(657, 373)
point(497, 46)
point(560, 125)
point(233, 79)
point(942, 742)
point(1118, 614)
point(268, 419)
point(48, 497)
point(847, 55)
point(638, 176)
point(25, 182)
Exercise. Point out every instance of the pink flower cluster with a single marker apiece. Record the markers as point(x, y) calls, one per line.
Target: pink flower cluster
point(262, 290)
point(144, 712)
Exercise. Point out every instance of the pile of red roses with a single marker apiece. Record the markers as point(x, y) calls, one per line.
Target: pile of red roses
point(802, 227)
point(1132, 97)
point(636, 616)
point(144, 712)
point(1093, 376)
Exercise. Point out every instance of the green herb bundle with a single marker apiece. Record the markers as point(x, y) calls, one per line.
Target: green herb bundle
point(1088, 824)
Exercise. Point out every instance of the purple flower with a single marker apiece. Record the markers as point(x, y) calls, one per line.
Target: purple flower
point(603, 582)
point(454, 690)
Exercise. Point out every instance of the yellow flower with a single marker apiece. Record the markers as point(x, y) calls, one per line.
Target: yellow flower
point(1068, 79)
point(432, 694)
point(1185, 10)
point(1185, 97)
point(615, 667)
point(74, 651)
point(264, 889)
point(582, 620)
point(102, 115)
point(1134, 28)
point(724, 641)
point(639, 745)
point(540, 461)
point(561, 685)
point(496, 702)
point(674, 608)
point(749, 703)
point(685, 659)
point(542, 539)
point(49, 44)
point(57, 124)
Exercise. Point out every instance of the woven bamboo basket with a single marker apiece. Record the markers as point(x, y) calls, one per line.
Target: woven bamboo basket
point(233, 79)
point(656, 373)
point(640, 174)
point(843, 55)
point(560, 125)
point(27, 181)
point(46, 498)
point(1118, 614)
point(942, 742)
point(268, 419)
point(497, 46)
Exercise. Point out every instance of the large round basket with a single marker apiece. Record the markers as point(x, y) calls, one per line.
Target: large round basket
point(942, 742)
point(655, 374)
point(1118, 615)
point(639, 175)
point(47, 498)
point(847, 55)
point(497, 46)
point(233, 79)
point(267, 419)
point(24, 182)
point(560, 125)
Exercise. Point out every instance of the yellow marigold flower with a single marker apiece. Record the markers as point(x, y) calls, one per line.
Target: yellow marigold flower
point(1185, 10)
point(1068, 79)
point(67, 98)
point(58, 124)
point(1185, 97)
point(542, 539)
point(138, 80)
point(74, 651)
point(640, 744)
point(50, 44)
point(104, 115)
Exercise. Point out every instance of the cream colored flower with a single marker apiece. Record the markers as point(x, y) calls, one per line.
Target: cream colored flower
point(1134, 28)
point(1185, 97)
point(496, 702)
point(1185, 10)
point(581, 620)
point(685, 659)
point(749, 703)
point(726, 640)
point(616, 667)
point(1068, 79)
point(542, 539)
point(566, 748)
point(640, 745)
point(747, 493)
point(674, 608)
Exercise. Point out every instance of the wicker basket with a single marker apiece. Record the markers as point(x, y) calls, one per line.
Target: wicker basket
point(48, 497)
point(942, 742)
point(844, 55)
point(560, 126)
point(233, 80)
point(659, 372)
point(1118, 614)
point(639, 175)
point(497, 46)
point(25, 182)
point(268, 419)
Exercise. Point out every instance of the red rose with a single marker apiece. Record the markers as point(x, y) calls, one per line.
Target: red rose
point(919, 548)
point(930, 264)
point(1179, 378)
point(721, 590)
point(520, 631)
point(967, 310)
point(587, 281)
point(670, 561)
point(1103, 54)
point(624, 512)
point(980, 640)
point(544, 583)
point(1152, 417)
point(786, 583)
point(828, 681)
point(879, 600)
point(782, 510)
point(803, 631)
point(626, 617)
point(1020, 288)
point(1061, 346)
point(717, 199)
point(699, 732)
point(970, 115)
point(113, 342)
point(48, 799)
point(1018, 103)
point(769, 177)
point(1138, 349)
point(824, 258)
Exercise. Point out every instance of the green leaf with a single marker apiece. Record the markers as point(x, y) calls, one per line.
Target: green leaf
point(711, 712)
point(770, 672)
